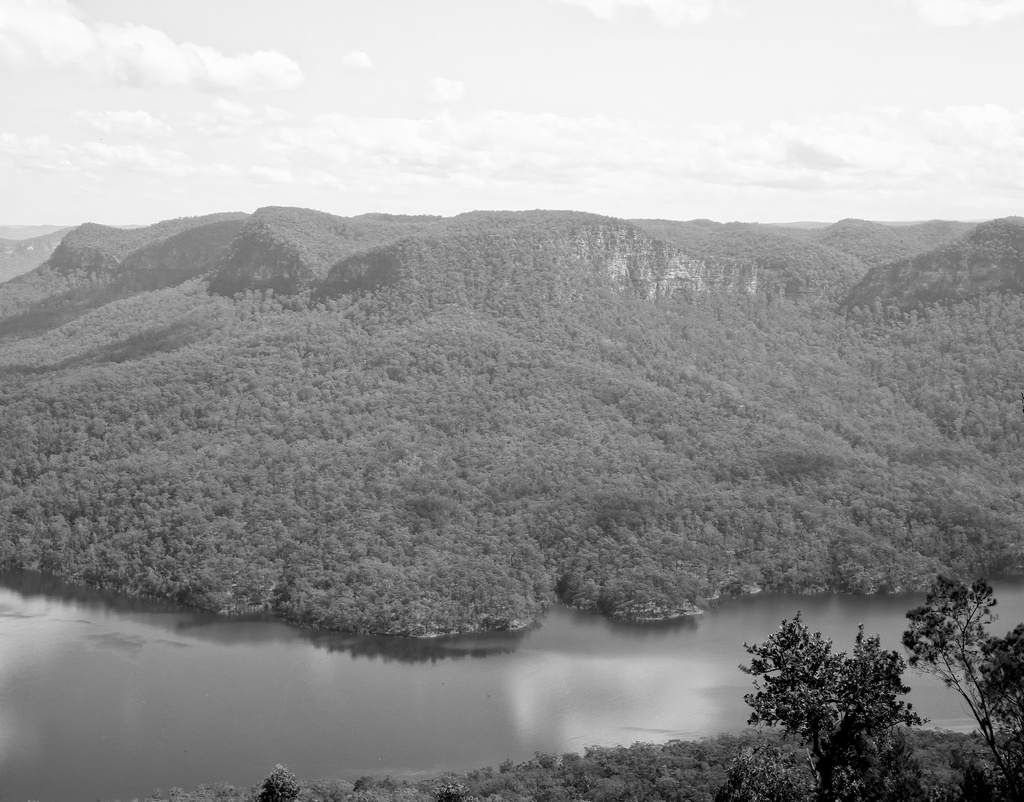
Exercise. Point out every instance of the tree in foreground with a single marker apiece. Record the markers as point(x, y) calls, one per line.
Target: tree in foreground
point(844, 708)
point(948, 638)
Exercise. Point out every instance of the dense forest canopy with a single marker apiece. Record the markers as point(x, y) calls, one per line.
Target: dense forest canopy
point(511, 417)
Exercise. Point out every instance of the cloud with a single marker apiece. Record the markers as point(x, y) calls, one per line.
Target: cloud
point(130, 123)
point(667, 12)
point(967, 12)
point(358, 59)
point(272, 174)
point(445, 90)
point(877, 150)
point(967, 157)
point(54, 33)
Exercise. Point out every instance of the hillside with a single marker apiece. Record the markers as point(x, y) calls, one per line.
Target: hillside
point(878, 243)
point(990, 258)
point(550, 257)
point(93, 249)
point(784, 263)
point(288, 250)
point(18, 256)
point(94, 265)
point(455, 426)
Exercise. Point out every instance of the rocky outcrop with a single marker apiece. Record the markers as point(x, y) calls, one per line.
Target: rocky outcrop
point(556, 258)
point(988, 259)
point(288, 250)
point(653, 268)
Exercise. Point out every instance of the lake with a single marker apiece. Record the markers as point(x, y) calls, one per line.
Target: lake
point(109, 697)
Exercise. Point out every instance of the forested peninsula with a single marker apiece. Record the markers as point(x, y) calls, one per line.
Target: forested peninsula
point(422, 425)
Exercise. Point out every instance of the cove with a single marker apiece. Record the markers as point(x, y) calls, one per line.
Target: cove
point(109, 697)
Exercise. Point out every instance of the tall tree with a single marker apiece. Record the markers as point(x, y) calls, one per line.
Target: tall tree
point(948, 638)
point(841, 706)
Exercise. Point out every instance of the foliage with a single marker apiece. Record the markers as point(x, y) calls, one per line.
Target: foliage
point(764, 773)
point(279, 786)
point(677, 771)
point(985, 260)
point(840, 706)
point(493, 430)
point(948, 637)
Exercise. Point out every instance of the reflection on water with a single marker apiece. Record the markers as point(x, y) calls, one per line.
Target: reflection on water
point(128, 694)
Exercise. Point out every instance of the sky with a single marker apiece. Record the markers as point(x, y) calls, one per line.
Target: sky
point(128, 112)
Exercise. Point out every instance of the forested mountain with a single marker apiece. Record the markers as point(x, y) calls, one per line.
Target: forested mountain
point(287, 250)
point(18, 256)
point(877, 243)
point(784, 263)
point(457, 420)
point(94, 265)
point(541, 256)
point(990, 258)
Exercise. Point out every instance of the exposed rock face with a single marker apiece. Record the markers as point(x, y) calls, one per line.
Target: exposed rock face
point(988, 259)
point(556, 258)
point(654, 268)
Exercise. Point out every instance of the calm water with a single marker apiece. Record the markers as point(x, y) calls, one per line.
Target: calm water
point(106, 697)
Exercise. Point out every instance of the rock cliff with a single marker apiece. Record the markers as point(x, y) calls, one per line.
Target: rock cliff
point(556, 256)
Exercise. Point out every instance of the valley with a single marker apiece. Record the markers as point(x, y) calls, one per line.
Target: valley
point(423, 425)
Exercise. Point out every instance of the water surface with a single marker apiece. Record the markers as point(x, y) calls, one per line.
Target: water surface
point(109, 697)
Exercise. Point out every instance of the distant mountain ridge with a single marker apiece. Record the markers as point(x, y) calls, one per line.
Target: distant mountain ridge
point(19, 255)
point(989, 258)
point(553, 255)
point(29, 232)
point(95, 248)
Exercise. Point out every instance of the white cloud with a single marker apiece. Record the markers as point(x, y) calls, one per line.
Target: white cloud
point(953, 151)
point(954, 157)
point(272, 174)
point(445, 90)
point(54, 33)
point(359, 60)
point(966, 12)
point(131, 123)
point(667, 12)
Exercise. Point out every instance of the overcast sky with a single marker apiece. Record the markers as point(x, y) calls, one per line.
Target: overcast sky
point(119, 111)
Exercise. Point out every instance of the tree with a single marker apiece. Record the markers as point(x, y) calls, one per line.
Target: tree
point(764, 773)
point(280, 786)
point(842, 707)
point(948, 639)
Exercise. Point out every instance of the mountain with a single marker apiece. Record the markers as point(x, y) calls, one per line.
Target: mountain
point(94, 265)
point(29, 232)
point(92, 249)
point(784, 264)
point(552, 257)
point(442, 424)
point(990, 258)
point(880, 243)
point(288, 250)
point(20, 255)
